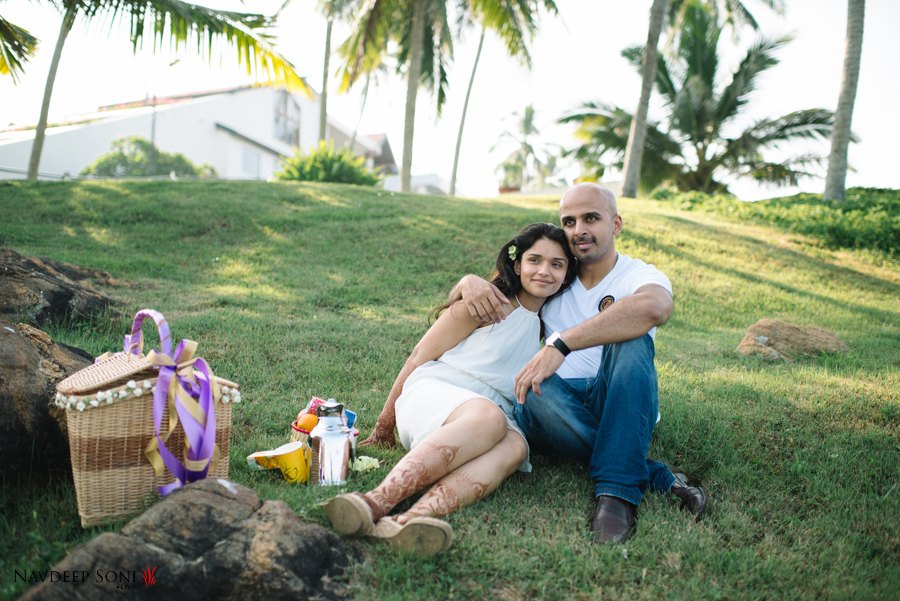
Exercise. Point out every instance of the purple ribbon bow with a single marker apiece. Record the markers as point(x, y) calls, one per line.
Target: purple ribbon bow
point(186, 383)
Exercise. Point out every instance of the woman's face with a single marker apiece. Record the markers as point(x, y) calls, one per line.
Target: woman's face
point(542, 268)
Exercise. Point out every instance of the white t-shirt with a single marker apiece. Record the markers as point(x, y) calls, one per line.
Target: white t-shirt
point(578, 304)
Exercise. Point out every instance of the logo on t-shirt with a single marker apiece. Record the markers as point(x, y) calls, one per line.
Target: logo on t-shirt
point(606, 301)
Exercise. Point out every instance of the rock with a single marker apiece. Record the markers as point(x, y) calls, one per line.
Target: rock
point(40, 290)
point(30, 366)
point(212, 539)
point(779, 340)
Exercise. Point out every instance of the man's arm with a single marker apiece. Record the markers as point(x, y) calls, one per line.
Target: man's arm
point(483, 300)
point(626, 319)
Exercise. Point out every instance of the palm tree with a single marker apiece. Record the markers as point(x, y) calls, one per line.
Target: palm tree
point(515, 20)
point(836, 177)
point(332, 9)
point(525, 156)
point(634, 149)
point(16, 47)
point(735, 14)
point(692, 151)
point(180, 22)
point(422, 33)
point(420, 29)
point(462, 119)
point(372, 76)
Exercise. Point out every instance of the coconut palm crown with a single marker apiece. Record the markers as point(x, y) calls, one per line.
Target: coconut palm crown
point(17, 46)
point(691, 149)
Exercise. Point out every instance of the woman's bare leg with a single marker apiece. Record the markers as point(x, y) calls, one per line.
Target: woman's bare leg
point(471, 430)
point(472, 481)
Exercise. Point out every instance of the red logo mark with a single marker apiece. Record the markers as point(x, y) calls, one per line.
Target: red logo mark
point(149, 575)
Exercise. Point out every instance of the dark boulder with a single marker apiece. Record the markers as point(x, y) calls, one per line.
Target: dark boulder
point(40, 290)
point(31, 428)
point(212, 539)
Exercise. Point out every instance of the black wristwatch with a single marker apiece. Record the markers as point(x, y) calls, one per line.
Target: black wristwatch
point(556, 341)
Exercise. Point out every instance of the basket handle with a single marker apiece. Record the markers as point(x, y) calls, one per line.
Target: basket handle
point(134, 342)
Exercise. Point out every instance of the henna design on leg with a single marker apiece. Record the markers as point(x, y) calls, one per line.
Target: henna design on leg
point(422, 466)
point(454, 491)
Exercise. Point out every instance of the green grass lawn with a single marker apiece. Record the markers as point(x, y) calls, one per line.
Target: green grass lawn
point(296, 290)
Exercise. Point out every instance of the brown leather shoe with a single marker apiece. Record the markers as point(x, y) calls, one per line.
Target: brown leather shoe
point(613, 520)
point(693, 498)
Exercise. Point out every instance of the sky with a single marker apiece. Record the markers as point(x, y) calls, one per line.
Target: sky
point(575, 58)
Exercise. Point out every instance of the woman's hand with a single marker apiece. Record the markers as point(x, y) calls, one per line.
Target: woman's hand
point(382, 437)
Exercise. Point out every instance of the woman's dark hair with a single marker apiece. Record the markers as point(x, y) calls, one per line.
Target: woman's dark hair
point(505, 277)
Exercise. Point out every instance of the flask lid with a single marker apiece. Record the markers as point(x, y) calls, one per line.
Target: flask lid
point(330, 408)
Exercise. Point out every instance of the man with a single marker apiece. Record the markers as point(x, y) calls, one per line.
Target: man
point(591, 392)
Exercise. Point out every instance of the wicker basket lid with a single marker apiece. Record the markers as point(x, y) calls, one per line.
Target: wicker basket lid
point(103, 373)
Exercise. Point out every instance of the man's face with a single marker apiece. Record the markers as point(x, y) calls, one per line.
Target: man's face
point(590, 223)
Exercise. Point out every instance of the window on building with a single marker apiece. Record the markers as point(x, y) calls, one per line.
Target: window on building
point(287, 119)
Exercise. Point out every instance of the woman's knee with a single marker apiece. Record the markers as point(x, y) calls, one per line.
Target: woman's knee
point(482, 417)
point(513, 450)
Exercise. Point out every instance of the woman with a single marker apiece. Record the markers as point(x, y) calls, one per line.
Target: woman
point(453, 401)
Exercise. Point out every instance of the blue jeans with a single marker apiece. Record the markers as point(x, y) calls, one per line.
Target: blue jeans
point(605, 421)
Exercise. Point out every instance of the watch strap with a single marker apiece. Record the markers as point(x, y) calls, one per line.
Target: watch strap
point(557, 341)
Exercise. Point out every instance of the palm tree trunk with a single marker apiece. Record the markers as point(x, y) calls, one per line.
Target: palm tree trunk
point(836, 177)
point(323, 97)
point(41, 130)
point(362, 108)
point(462, 120)
point(416, 44)
point(634, 150)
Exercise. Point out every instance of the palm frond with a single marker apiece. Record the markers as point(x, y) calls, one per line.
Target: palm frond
point(603, 133)
point(17, 45)
point(809, 124)
point(759, 58)
point(362, 51)
point(698, 46)
point(182, 22)
point(784, 173)
point(514, 21)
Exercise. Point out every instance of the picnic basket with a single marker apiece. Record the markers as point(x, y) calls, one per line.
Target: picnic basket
point(142, 425)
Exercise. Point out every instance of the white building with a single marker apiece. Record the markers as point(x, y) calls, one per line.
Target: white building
point(242, 132)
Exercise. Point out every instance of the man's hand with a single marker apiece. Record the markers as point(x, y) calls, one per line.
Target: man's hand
point(543, 365)
point(483, 300)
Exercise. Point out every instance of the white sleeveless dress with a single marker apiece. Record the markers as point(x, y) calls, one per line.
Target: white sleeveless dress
point(485, 365)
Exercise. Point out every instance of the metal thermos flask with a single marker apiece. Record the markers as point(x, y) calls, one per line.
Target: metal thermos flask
point(330, 441)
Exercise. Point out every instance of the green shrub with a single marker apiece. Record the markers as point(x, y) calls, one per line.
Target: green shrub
point(868, 217)
point(327, 164)
point(138, 157)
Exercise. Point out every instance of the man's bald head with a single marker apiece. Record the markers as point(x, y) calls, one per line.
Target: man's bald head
point(592, 191)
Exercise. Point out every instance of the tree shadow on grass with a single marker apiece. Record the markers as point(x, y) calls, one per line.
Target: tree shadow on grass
point(785, 260)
